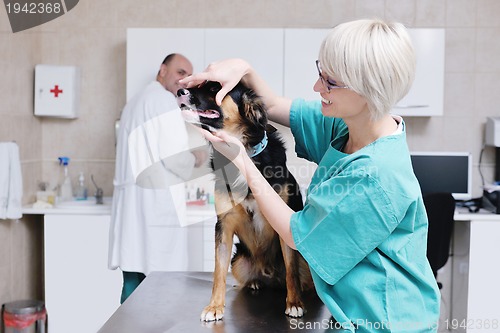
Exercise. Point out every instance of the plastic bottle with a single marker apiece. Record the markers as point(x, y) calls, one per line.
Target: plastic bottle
point(66, 191)
point(81, 190)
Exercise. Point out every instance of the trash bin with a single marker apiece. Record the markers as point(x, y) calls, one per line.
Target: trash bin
point(27, 316)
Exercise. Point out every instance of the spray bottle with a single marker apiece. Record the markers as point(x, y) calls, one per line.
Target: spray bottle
point(65, 191)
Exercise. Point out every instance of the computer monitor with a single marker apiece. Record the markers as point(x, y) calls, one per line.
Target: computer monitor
point(444, 172)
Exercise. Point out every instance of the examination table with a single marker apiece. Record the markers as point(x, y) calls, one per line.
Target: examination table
point(173, 301)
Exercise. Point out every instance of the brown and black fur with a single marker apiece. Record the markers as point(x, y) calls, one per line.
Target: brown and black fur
point(262, 258)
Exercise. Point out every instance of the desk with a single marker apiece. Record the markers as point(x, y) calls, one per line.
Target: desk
point(483, 288)
point(173, 301)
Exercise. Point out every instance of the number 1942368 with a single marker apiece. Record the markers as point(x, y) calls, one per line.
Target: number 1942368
point(485, 324)
point(34, 7)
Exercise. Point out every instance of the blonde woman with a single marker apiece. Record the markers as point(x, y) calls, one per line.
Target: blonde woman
point(363, 229)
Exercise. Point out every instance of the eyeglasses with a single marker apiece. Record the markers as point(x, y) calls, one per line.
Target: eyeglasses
point(327, 83)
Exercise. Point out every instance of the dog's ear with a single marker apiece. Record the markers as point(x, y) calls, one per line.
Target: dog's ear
point(270, 128)
point(254, 108)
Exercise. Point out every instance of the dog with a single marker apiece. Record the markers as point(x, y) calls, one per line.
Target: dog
point(262, 259)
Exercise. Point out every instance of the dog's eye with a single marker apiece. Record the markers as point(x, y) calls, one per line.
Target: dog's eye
point(213, 87)
point(201, 84)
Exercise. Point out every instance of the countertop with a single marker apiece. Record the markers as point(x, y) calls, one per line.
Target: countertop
point(173, 301)
point(89, 207)
point(463, 214)
point(83, 207)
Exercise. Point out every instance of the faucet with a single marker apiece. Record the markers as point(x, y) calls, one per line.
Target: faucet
point(99, 193)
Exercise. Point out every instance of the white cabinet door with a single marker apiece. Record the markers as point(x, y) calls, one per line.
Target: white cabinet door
point(147, 47)
point(201, 220)
point(426, 95)
point(262, 48)
point(484, 273)
point(80, 292)
point(209, 244)
point(301, 52)
point(283, 57)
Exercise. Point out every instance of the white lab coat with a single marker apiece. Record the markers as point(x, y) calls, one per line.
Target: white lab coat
point(145, 231)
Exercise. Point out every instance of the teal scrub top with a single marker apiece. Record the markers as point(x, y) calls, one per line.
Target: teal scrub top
point(363, 229)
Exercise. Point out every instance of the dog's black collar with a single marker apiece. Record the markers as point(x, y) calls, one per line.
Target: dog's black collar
point(258, 148)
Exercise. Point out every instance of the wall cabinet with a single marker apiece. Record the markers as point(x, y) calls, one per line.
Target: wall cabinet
point(426, 97)
point(283, 57)
point(263, 48)
point(301, 49)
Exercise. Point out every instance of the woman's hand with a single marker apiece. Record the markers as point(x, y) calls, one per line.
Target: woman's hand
point(227, 72)
point(229, 146)
point(276, 211)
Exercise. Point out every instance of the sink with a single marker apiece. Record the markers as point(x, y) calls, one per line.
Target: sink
point(89, 204)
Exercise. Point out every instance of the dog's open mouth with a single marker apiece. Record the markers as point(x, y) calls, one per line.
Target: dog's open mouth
point(212, 114)
point(189, 112)
point(193, 116)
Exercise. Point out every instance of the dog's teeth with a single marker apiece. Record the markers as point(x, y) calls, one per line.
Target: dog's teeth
point(254, 286)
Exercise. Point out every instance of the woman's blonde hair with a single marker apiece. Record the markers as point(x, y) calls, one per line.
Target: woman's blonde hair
point(374, 58)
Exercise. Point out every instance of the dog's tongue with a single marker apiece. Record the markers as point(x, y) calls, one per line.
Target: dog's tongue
point(212, 114)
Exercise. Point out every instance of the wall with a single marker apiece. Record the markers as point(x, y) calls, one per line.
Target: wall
point(20, 241)
point(93, 35)
point(21, 271)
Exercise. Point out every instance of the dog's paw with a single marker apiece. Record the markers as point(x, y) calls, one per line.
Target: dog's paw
point(212, 313)
point(295, 311)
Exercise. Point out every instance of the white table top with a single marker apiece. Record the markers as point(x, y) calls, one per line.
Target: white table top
point(463, 214)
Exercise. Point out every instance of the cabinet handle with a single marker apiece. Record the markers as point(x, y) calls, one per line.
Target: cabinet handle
point(411, 106)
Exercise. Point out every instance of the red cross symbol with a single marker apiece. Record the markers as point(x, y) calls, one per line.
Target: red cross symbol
point(56, 91)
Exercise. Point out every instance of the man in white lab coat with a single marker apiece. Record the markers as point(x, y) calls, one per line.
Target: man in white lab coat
point(145, 231)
